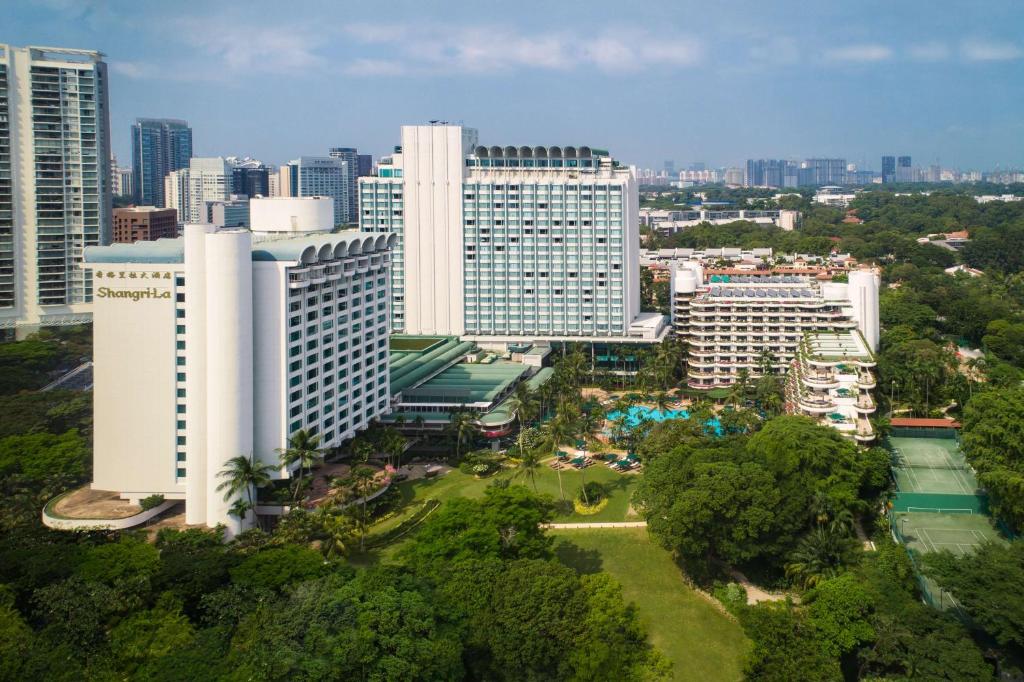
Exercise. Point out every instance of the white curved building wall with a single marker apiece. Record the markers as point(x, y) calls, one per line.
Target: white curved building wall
point(291, 214)
point(195, 372)
point(229, 353)
point(863, 293)
point(684, 282)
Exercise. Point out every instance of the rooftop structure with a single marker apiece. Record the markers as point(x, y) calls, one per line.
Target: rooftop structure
point(669, 222)
point(432, 377)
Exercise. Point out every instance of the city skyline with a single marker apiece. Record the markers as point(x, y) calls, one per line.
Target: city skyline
point(826, 82)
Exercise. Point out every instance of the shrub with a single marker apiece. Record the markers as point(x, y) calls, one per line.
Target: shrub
point(150, 502)
point(733, 597)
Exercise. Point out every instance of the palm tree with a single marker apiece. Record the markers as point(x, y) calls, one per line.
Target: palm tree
point(239, 508)
point(303, 448)
point(529, 462)
point(461, 429)
point(394, 445)
point(361, 449)
point(361, 478)
point(243, 474)
point(419, 423)
point(662, 400)
point(559, 431)
point(337, 532)
point(819, 556)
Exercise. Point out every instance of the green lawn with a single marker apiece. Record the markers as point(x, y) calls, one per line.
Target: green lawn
point(457, 484)
point(702, 642)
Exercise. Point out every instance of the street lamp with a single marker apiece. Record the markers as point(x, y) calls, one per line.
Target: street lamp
point(892, 392)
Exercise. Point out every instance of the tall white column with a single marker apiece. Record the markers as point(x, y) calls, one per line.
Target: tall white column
point(229, 366)
point(195, 374)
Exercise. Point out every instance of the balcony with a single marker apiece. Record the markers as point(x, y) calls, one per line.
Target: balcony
point(820, 380)
point(866, 380)
point(865, 404)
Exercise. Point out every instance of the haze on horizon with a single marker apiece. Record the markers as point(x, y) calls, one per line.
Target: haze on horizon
point(685, 81)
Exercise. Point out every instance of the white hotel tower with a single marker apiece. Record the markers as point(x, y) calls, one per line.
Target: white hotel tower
point(509, 244)
point(224, 343)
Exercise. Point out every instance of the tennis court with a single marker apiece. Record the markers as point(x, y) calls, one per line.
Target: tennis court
point(959, 533)
point(932, 465)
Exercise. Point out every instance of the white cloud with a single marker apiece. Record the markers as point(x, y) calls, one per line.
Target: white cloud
point(486, 49)
point(928, 52)
point(866, 52)
point(376, 67)
point(135, 70)
point(975, 50)
point(244, 46)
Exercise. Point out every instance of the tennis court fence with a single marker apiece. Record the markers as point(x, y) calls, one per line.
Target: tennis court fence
point(941, 503)
point(933, 595)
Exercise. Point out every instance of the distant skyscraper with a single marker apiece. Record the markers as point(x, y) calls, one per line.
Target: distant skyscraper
point(351, 158)
point(250, 177)
point(159, 146)
point(365, 165)
point(55, 183)
point(189, 190)
point(904, 170)
point(765, 173)
point(320, 176)
point(121, 184)
point(827, 171)
point(888, 169)
point(734, 176)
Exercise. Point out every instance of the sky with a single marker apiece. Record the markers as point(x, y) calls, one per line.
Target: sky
point(716, 82)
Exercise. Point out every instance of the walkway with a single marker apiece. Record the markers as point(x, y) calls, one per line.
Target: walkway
point(603, 524)
point(755, 594)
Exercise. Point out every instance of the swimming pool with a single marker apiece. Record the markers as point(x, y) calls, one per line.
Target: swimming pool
point(638, 413)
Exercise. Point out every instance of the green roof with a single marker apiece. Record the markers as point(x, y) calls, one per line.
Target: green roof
point(468, 382)
point(173, 250)
point(159, 251)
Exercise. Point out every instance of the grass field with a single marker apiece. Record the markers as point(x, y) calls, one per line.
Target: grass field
point(702, 642)
point(457, 484)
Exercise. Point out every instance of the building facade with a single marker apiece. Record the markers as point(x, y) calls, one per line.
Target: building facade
point(159, 146)
point(749, 322)
point(249, 177)
point(507, 244)
point(121, 183)
point(231, 213)
point(190, 190)
point(319, 176)
point(365, 165)
point(144, 223)
point(227, 342)
point(888, 169)
point(55, 182)
point(351, 172)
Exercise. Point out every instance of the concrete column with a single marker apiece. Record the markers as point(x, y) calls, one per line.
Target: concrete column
point(229, 365)
point(195, 373)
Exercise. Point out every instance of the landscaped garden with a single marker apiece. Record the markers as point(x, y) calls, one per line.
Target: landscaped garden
point(617, 487)
point(702, 642)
